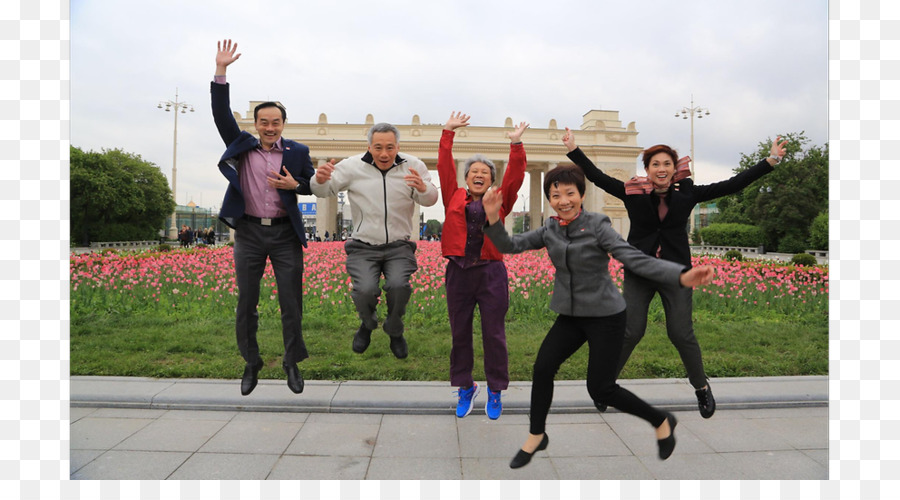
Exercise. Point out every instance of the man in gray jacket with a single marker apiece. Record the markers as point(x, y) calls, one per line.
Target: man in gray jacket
point(383, 187)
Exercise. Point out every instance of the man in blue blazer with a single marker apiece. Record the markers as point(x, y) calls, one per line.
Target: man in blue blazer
point(264, 175)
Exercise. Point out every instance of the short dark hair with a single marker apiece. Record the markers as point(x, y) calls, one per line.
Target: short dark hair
point(564, 174)
point(270, 104)
point(655, 150)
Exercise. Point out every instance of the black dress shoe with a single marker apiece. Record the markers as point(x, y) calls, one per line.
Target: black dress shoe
point(601, 407)
point(361, 339)
point(399, 347)
point(706, 401)
point(667, 445)
point(522, 457)
point(295, 380)
point(251, 377)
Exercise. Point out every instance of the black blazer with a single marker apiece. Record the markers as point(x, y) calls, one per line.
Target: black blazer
point(670, 234)
point(296, 159)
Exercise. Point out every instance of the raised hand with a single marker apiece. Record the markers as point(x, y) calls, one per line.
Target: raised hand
point(697, 276)
point(516, 135)
point(323, 173)
point(778, 149)
point(414, 180)
point(491, 201)
point(569, 140)
point(457, 119)
point(225, 55)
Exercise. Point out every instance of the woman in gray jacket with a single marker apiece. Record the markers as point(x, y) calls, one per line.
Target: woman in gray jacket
point(589, 305)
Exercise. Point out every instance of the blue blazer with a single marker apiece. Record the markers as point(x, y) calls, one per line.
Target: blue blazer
point(296, 159)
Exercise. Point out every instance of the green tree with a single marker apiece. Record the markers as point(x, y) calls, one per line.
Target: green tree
point(433, 228)
point(116, 196)
point(782, 203)
point(818, 232)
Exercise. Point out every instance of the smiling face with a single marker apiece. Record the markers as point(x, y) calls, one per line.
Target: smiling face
point(384, 148)
point(479, 179)
point(566, 200)
point(269, 125)
point(661, 170)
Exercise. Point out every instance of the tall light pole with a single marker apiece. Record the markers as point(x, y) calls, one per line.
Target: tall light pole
point(183, 107)
point(684, 113)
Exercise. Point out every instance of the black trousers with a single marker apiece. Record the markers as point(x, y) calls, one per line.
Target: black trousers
point(604, 336)
point(253, 243)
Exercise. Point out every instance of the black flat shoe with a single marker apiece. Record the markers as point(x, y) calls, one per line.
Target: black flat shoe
point(294, 379)
point(399, 347)
point(667, 445)
point(523, 457)
point(361, 339)
point(251, 377)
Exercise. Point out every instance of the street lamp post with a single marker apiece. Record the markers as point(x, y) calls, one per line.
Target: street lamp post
point(684, 113)
point(183, 106)
point(341, 216)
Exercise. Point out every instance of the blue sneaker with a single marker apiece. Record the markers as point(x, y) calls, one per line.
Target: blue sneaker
point(466, 397)
point(493, 407)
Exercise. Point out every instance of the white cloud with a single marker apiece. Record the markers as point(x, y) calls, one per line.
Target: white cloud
point(760, 67)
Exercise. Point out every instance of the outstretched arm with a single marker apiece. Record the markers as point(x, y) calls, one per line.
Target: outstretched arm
point(743, 179)
point(446, 166)
point(219, 91)
point(605, 182)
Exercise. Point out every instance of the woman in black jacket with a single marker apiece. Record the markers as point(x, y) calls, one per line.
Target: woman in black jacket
point(659, 207)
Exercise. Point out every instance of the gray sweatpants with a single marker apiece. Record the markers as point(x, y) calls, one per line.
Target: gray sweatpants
point(365, 265)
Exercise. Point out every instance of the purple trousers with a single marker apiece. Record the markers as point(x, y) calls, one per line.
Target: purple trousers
point(488, 287)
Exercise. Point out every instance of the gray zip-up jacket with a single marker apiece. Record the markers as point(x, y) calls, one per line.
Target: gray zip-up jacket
point(580, 252)
point(381, 204)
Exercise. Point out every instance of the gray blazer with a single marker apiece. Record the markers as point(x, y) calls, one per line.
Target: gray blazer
point(580, 252)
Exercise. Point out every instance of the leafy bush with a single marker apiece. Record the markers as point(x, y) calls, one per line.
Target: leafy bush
point(792, 242)
point(732, 235)
point(818, 232)
point(734, 255)
point(163, 247)
point(804, 259)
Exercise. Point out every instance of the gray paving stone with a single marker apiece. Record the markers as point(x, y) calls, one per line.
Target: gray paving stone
point(145, 413)
point(745, 435)
point(76, 414)
point(540, 467)
point(800, 432)
point(640, 437)
point(172, 435)
point(417, 436)
point(584, 440)
point(618, 468)
point(268, 416)
point(320, 468)
point(390, 468)
point(490, 441)
point(198, 414)
point(692, 466)
point(261, 438)
point(103, 433)
point(780, 465)
point(225, 466)
point(80, 458)
point(820, 456)
point(144, 465)
point(345, 418)
point(340, 439)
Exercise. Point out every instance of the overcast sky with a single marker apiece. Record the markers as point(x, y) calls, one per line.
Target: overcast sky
point(759, 67)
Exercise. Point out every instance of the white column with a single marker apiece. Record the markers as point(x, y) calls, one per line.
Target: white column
point(535, 195)
point(326, 211)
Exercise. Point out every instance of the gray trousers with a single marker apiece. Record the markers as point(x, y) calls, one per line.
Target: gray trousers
point(252, 244)
point(678, 306)
point(365, 265)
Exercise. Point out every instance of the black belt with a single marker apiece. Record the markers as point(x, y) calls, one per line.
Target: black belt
point(266, 222)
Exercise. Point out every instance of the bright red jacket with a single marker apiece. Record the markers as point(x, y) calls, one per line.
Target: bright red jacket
point(455, 198)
